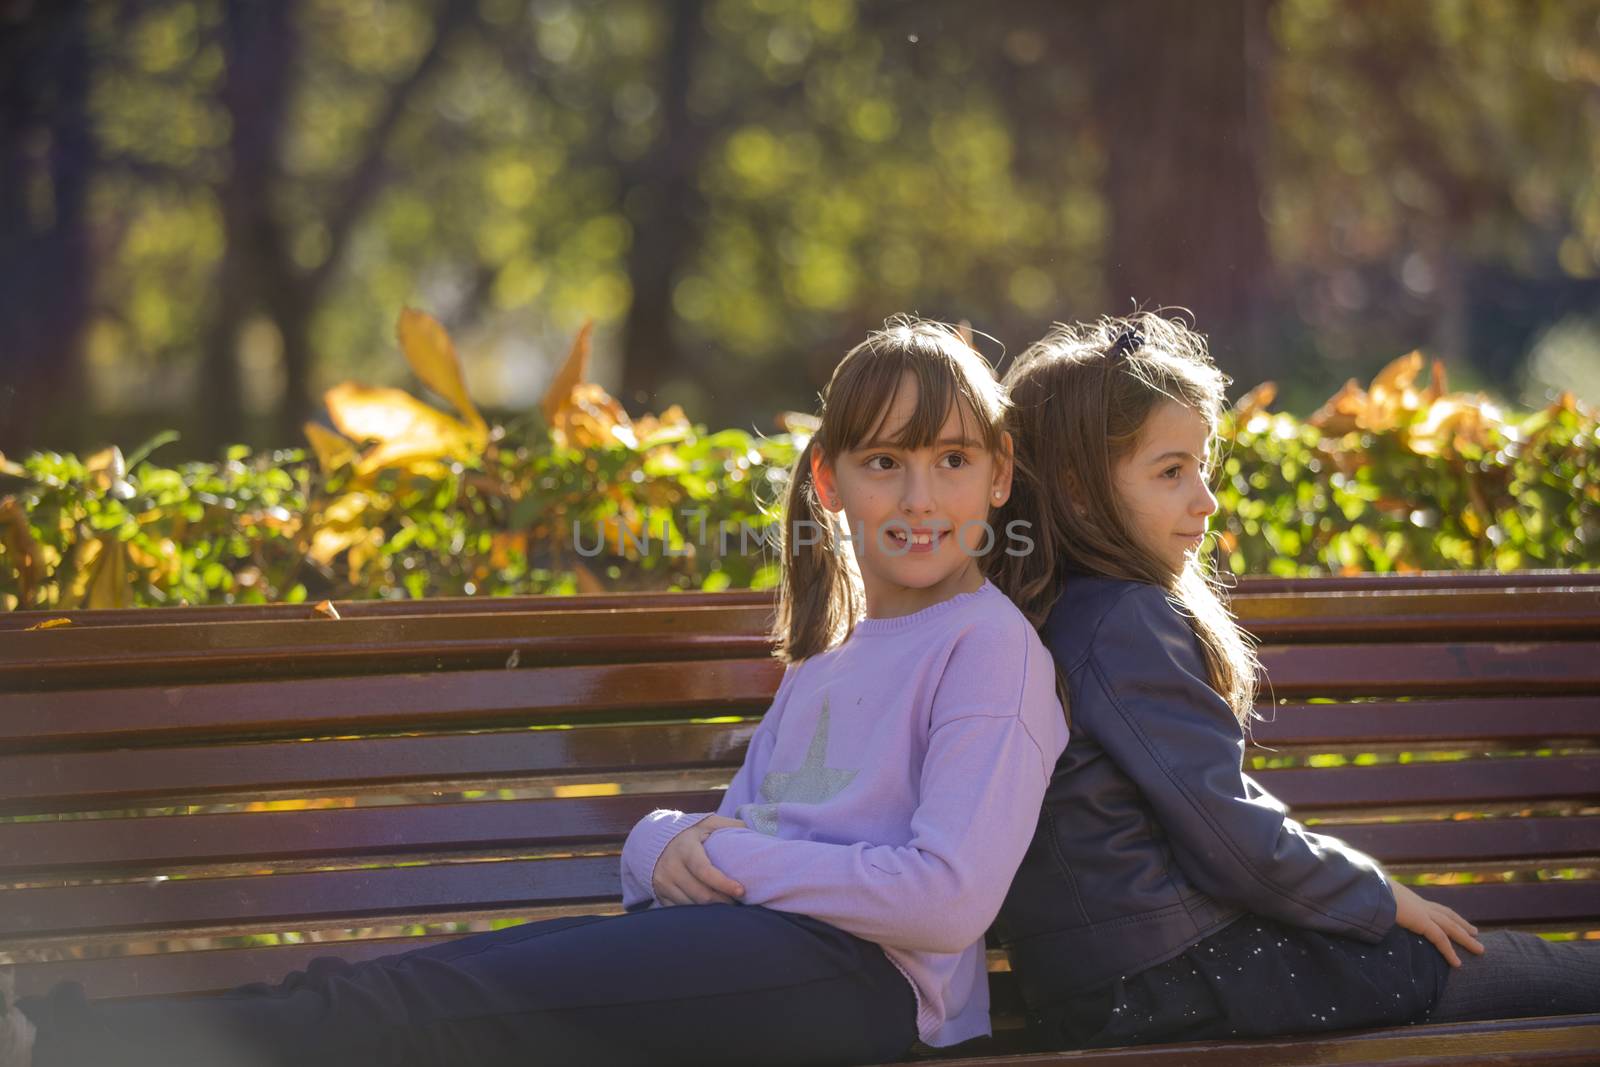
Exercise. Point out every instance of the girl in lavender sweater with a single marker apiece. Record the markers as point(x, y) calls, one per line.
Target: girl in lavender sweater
point(833, 909)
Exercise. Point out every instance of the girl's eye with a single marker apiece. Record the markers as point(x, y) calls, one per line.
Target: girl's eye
point(872, 463)
point(1173, 472)
point(957, 460)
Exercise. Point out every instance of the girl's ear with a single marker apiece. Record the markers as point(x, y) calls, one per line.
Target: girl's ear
point(1005, 466)
point(827, 485)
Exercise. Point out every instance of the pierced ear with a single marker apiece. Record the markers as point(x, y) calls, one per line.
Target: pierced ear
point(1005, 470)
point(823, 480)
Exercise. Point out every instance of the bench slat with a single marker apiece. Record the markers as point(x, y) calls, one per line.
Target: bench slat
point(37, 848)
point(1259, 584)
point(106, 780)
point(1469, 841)
point(1456, 782)
point(1382, 722)
point(1499, 903)
point(1422, 615)
point(283, 901)
point(304, 707)
point(166, 842)
point(1548, 1041)
point(123, 778)
point(288, 901)
point(1431, 669)
point(146, 715)
point(160, 974)
point(378, 609)
point(1248, 587)
point(78, 657)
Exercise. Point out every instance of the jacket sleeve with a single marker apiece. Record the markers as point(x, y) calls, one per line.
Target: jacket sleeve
point(651, 834)
point(1147, 699)
point(996, 730)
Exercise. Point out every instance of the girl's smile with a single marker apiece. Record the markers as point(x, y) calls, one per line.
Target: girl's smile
point(919, 541)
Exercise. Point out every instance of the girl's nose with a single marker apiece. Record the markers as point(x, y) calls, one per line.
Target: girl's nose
point(1206, 502)
point(916, 495)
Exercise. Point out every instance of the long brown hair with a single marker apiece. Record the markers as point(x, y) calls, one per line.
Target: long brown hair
point(820, 597)
point(1080, 397)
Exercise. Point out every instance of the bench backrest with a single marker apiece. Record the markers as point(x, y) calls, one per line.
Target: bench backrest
point(194, 798)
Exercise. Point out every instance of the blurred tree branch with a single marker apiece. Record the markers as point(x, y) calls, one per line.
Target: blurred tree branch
point(258, 273)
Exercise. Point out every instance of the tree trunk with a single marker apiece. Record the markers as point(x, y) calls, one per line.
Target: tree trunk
point(664, 205)
point(47, 159)
point(291, 304)
point(1178, 103)
point(258, 44)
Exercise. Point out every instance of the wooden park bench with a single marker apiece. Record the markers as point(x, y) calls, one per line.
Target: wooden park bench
point(193, 798)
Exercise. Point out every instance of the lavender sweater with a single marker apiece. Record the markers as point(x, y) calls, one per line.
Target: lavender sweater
point(891, 791)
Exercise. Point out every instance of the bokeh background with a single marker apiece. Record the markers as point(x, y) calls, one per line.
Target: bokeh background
point(212, 210)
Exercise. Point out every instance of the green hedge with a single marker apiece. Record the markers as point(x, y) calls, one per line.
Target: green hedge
point(1407, 477)
point(412, 501)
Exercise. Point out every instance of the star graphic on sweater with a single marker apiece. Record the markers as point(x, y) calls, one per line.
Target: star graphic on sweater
point(813, 783)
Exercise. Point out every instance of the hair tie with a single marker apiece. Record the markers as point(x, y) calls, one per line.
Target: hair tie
point(1127, 343)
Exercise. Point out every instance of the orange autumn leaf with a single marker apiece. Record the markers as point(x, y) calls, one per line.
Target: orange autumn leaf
point(432, 355)
point(573, 371)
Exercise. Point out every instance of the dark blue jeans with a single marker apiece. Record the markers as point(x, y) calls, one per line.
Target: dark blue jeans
point(701, 985)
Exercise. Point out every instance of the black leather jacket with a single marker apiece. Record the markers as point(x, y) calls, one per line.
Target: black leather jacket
point(1152, 837)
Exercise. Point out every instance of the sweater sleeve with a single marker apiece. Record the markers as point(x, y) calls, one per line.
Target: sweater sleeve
point(1149, 703)
point(996, 730)
point(651, 834)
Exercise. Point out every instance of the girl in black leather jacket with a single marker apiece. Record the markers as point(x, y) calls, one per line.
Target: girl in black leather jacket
point(1166, 896)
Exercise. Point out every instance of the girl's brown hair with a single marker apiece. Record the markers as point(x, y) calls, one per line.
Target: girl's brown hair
point(1080, 397)
point(820, 597)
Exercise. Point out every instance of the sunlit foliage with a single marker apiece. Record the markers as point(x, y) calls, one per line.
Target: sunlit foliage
point(407, 499)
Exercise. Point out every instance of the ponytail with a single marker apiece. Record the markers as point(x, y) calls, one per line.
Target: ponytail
point(818, 599)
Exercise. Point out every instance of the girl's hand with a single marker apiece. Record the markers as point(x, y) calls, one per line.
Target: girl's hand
point(684, 874)
point(1433, 921)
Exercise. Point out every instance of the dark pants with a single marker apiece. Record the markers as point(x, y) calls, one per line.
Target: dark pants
point(1520, 975)
point(701, 985)
point(1257, 978)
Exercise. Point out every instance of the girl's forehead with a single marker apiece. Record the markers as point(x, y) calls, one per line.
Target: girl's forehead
point(892, 429)
point(1173, 426)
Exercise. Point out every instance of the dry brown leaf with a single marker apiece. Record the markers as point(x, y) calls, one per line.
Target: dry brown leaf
point(432, 355)
point(797, 422)
point(1400, 375)
point(326, 609)
point(647, 426)
point(1393, 394)
point(1256, 401)
point(587, 582)
point(409, 433)
point(1438, 384)
point(332, 450)
point(592, 418)
point(108, 582)
point(21, 549)
point(1340, 414)
point(573, 371)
